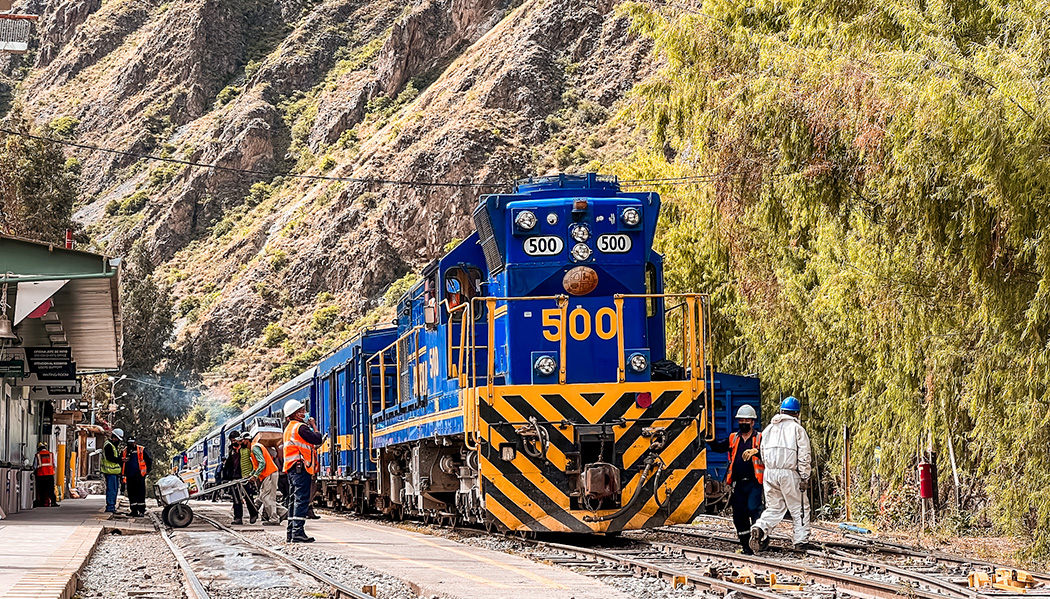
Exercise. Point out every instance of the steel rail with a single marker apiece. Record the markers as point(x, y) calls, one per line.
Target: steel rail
point(194, 588)
point(867, 545)
point(707, 582)
point(857, 584)
point(340, 588)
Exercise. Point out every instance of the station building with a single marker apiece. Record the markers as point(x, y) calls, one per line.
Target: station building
point(59, 321)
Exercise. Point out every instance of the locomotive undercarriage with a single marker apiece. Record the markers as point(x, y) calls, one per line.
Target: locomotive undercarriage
point(431, 479)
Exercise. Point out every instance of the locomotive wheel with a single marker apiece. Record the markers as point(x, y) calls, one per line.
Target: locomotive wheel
point(180, 515)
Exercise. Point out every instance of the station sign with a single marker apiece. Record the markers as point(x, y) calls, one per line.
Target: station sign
point(51, 363)
point(12, 368)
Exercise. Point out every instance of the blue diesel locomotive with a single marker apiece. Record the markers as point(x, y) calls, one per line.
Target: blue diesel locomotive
point(538, 378)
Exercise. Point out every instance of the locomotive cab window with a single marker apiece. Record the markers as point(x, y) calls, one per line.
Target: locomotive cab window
point(650, 288)
point(462, 284)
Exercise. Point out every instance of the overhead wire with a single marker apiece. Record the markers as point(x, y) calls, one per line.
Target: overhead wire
point(335, 178)
point(218, 167)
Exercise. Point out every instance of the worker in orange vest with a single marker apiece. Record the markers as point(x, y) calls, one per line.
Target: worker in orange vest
point(300, 462)
point(137, 465)
point(264, 470)
point(744, 474)
point(44, 465)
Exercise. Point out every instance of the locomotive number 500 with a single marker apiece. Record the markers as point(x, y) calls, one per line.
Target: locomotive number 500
point(580, 324)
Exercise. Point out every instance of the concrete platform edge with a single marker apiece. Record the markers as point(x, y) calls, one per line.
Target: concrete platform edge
point(59, 577)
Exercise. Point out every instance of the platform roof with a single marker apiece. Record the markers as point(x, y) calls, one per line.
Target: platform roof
point(86, 308)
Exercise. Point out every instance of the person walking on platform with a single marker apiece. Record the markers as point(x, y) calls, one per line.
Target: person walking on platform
point(264, 470)
point(137, 465)
point(111, 468)
point(745, 473)
point(44, 465)
point(232, 470)
point(788, 462)
point(300, 462)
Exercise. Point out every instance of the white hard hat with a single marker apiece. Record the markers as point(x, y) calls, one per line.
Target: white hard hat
point(292, 406)
point(119, 433)
point(746, 411)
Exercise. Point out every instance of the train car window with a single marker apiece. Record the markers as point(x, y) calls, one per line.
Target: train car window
point(430, 318)
point(650, 288)
point(461, 286)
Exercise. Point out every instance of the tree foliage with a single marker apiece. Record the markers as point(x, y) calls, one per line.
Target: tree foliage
point(154, 402)
point(38, 186)
point(869, 209)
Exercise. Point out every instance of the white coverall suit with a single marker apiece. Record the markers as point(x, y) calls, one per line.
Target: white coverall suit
point(786, 455)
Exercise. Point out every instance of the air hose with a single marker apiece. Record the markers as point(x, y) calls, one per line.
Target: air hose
point(533, 429)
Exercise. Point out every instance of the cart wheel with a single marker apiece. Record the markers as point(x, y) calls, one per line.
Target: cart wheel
point(164, 514)
point(180, 515)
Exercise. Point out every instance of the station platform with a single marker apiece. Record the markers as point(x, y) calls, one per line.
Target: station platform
point(438, 566)
point(42, 550)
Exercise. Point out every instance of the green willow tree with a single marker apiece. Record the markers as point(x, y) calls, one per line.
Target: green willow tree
point(869, 208)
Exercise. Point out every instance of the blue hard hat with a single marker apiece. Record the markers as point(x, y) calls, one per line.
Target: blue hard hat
point(790, 404)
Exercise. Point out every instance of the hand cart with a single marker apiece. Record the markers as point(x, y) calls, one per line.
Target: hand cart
point(178, 513)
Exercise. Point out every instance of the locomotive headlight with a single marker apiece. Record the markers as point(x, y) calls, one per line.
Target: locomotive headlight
point(552, 219)
point(580, 233)
point(638, 362)
point(545, 365)
point(631, 217)
point(525, 220)
point(581, 252)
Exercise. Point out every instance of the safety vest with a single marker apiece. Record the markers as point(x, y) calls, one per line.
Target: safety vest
point(142, 460)
point(297, 449)
point(107, 466)
point(268, 466)
point(47, 463)
point(734, 442)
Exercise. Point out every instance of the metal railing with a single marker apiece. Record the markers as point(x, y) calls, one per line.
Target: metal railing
point(687, 336)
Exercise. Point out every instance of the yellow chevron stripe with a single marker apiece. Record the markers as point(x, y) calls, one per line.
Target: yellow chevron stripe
point(511, 492)
point(533, 474)
point(541, 405)
point(510, 414)
point(502, 514)
point(635, 451)
point(677, 446)
point(685, 510)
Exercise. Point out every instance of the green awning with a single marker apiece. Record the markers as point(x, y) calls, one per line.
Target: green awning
point(84, 289)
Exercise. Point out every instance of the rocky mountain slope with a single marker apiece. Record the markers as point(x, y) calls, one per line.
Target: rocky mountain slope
point(270, 269)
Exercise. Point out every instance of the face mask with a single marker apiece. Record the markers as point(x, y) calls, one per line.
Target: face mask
point(744, 428)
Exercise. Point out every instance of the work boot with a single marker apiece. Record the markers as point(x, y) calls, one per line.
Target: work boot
point(755, 542)
point(237, 522)
point(271, 523)
point(745, 544)
point(252, 519)
point(302, 539)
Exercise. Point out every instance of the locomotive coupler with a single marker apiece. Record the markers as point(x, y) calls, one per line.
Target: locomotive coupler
point(601, 480)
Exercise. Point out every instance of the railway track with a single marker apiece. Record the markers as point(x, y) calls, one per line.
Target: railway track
point(869, 545)
point(858, 547)
point(843, 568)
point(195, 589)
point(813, 575)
